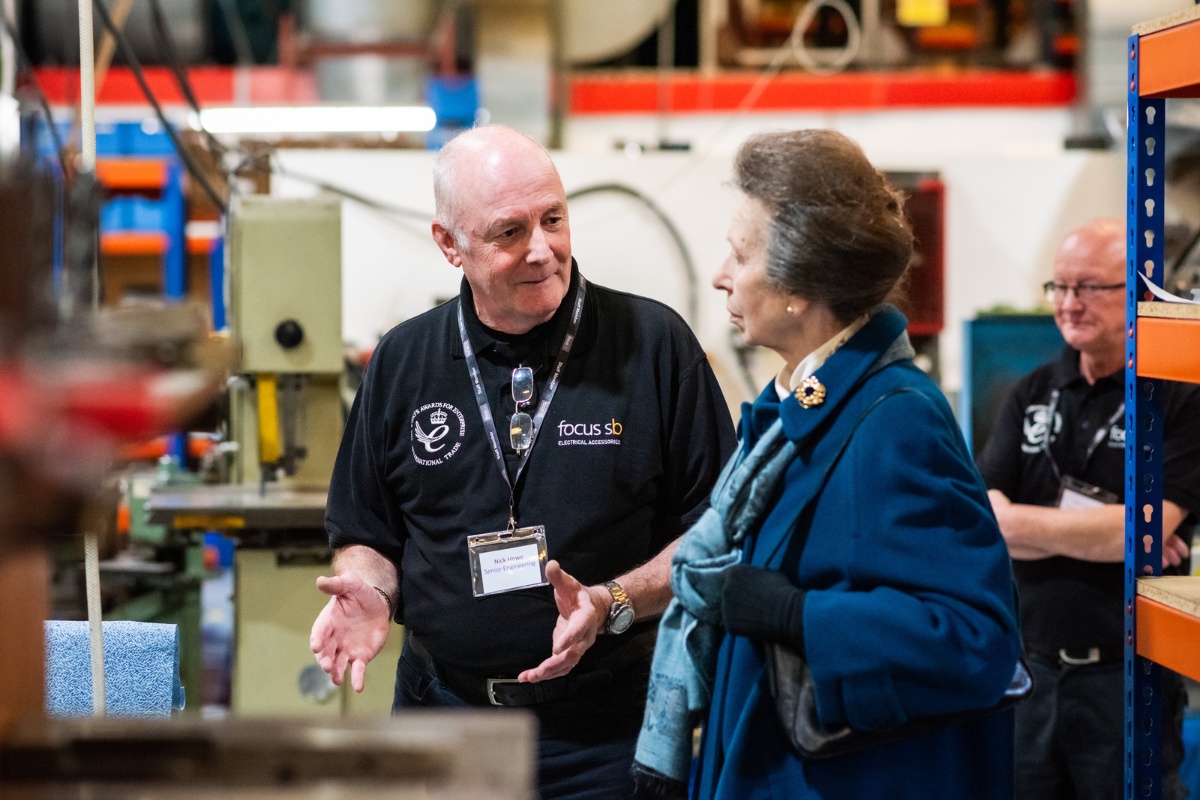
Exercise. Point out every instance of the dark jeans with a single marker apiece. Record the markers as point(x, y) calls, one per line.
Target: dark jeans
point(1071, 733)
point(585, 744)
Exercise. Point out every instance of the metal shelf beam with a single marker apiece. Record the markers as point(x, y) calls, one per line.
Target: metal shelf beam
point(1169, 348)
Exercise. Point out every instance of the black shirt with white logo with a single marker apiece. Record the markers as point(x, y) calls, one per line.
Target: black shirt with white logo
point(623, 463)
point(1066, 602)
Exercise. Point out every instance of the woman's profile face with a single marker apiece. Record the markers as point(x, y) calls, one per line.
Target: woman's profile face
point(756, 308)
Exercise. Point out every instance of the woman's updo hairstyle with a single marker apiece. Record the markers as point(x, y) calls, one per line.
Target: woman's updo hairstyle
point(838, 235)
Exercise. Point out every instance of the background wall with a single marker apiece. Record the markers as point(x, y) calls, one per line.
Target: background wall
point(1012, 193)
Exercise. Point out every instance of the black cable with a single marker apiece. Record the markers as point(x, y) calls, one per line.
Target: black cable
point(689, 266)
point(136, 68)
point(239, 38)
point(43, 103)
point(171, 56)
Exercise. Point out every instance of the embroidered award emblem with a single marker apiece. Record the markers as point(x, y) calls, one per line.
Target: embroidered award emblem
point(441, 436)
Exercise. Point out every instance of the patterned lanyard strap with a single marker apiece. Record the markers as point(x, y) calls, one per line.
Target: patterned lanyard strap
point(485, 409)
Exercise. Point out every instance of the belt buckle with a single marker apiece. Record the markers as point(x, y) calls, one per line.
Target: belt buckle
point(491, 688)
point(1093, 657)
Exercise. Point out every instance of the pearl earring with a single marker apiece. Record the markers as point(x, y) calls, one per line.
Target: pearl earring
point(789, 310)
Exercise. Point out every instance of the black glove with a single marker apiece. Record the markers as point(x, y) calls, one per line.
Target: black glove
point(763, 604)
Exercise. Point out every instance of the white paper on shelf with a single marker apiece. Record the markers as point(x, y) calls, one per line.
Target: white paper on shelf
point(1163, 294)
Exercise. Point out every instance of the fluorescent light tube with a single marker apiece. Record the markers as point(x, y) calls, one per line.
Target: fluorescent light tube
point(315, 119)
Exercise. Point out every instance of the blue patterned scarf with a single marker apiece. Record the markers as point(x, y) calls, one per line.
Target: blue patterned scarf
point(685, 658)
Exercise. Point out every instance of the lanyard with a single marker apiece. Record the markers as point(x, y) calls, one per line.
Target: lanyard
point(485, 409)
point(1097, 437)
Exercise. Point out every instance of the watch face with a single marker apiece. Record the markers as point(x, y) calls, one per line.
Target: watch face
point(620, 618)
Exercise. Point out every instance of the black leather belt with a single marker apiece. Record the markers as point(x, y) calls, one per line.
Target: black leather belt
point(481, 690)
point(1080, 656)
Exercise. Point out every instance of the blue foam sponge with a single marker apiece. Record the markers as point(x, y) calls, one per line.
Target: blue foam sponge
point(141, 669)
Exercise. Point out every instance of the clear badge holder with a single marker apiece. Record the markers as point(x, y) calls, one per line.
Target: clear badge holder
point(504, 561)
point(1076, 494)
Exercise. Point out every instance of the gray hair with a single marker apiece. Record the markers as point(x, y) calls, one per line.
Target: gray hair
point(837, 232)
point(447, 199)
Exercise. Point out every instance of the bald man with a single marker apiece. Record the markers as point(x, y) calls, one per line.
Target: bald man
point(515, 471)
point(1054, 465)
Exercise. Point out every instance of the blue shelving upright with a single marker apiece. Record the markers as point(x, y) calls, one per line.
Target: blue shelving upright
point(1143, 433)
point(1162, 617)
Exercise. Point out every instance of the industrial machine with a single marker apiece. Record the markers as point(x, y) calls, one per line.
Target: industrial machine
point(63, 413)
point(285, 424)
point(285, 292)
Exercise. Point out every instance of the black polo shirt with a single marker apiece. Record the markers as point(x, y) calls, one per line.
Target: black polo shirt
point(623, 463)
point(1066, 602)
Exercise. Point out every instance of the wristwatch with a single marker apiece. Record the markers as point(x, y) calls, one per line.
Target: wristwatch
point(620, 613)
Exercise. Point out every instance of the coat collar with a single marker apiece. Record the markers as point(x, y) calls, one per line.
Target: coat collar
point(881, 341)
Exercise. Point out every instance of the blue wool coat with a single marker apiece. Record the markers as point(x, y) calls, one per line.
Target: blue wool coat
point(910, 609)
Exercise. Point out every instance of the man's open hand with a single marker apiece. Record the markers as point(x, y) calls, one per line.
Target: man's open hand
point(582, 611)
point(351, 629)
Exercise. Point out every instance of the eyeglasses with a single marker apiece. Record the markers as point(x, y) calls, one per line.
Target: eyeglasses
point(520, 427)
point(1056, 292)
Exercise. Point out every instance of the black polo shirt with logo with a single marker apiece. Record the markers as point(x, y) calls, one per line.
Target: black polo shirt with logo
point(1066, 602)
point(624, 460)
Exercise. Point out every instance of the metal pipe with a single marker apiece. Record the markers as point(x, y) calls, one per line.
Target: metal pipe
point(8, 51)
point(91, 547)
point(91, 568)
point(87, 89)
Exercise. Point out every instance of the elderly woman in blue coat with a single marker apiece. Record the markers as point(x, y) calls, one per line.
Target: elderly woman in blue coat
point(851, 526)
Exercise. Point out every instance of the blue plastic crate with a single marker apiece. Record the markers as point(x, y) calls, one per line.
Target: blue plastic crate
point(109, 139)
point(133, 213)
point(454, 99)
point(147, 138)
point(146, 214)
point(114, 215)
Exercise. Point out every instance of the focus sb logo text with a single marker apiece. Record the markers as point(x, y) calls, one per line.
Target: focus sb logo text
point(575, 433)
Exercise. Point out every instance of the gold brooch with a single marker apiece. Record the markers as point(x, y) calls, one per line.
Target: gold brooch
point(811, 393)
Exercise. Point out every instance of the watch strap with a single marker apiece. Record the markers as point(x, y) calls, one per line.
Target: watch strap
point(619, 595)
point(621, 604)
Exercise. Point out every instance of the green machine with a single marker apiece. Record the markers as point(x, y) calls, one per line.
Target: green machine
point(285, 416)
point(163, 585)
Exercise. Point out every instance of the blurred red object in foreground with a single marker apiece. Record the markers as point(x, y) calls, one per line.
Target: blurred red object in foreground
point(80, 413)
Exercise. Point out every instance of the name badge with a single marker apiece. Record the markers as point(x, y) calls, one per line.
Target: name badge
point(504, 561)
point(1074, 493)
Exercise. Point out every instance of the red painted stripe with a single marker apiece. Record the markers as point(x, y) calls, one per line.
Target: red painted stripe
point(212, 85)
point(638, 93)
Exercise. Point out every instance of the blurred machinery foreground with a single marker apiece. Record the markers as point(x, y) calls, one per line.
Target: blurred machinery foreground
point(433, 756)
point(284, 427)
point(75, 385)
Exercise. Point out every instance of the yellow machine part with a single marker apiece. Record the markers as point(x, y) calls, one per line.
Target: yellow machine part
point(922, 13)
point(269, 447)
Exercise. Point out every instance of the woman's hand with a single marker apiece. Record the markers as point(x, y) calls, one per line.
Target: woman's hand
point(762, 604)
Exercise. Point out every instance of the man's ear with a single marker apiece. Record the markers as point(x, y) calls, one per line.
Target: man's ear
point(445, 242)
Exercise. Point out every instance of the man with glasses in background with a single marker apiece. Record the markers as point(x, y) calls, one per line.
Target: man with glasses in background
point(1054, 465)
point(515, 471)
